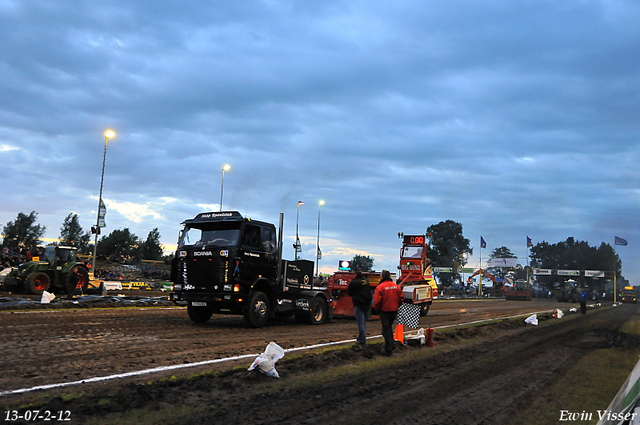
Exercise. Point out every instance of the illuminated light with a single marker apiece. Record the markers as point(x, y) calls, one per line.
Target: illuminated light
point(109, 134)
point(239, 300)
point(463, 310)
point(236, 288)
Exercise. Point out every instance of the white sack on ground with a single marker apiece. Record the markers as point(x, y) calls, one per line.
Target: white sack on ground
point(47, 297)
point(532, 320)
point(266, 361)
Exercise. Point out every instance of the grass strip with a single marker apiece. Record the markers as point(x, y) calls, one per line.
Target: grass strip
point(588, 386)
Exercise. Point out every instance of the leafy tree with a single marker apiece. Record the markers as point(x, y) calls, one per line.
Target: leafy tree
point(363, 261)
point(71, 234)
point(119, 243)
point(23, 232)
point(151, 247)
point(447, 247)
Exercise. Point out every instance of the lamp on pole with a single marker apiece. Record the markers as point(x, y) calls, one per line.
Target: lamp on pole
point(107, 135)
point(225, 167)
point(297, 246)
point(318, 252)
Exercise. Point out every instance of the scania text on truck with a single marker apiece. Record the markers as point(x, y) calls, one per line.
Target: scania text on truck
point(228, 264)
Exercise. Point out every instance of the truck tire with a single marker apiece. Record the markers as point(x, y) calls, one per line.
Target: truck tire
point(37, 282)
point(257, 312)
point(77, 276)
point(199, 314)
point(319, 312)
point(424, 309)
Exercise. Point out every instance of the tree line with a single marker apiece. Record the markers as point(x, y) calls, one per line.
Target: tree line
point(447, 247)
point(25, 233)
point(446, 243)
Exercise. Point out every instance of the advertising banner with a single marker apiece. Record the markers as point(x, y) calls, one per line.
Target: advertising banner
point(568, 272)
point(503, 262)
point(546, 272)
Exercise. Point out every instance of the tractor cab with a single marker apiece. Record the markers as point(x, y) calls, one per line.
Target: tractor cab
point(60, 254)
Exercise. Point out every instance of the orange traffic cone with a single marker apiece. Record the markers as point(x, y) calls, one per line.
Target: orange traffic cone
point(399, 334)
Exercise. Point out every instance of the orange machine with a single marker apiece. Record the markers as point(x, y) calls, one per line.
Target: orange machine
point(416, 277)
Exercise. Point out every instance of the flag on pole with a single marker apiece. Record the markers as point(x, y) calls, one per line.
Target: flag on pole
point(102, 211)
point(483, 244)
point(529, 243)
point(620, 241)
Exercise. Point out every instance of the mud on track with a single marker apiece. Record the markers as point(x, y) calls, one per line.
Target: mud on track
point(479, 375)
point(61, 345)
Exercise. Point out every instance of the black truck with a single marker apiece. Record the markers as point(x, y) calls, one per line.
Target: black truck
point(228, 264)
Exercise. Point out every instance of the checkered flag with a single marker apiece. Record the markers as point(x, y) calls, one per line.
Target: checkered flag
point(409, 315)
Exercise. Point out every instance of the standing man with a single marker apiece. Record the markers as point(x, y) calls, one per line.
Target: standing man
point(360, 292)
point(386, 300)
point(584, 296)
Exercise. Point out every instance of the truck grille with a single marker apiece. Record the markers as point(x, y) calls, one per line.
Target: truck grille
point(201, 273)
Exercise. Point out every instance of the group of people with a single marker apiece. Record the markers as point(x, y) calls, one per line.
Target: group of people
point(386, 301)
point(13, 258)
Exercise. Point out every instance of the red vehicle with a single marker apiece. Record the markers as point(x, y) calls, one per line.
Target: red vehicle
point(416, 280)
point(337, 286)
point(416, 277)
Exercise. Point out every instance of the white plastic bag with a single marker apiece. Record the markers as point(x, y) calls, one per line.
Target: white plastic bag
point(47, 297)
point(532, 320)
point(419, 336)
point(266, 361)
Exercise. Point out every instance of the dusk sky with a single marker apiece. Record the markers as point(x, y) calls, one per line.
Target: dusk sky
point(513, 118)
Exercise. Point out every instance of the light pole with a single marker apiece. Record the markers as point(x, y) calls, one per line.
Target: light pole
point(107, 135)
point(297, 246)
point(225, 167)
point(318, 252)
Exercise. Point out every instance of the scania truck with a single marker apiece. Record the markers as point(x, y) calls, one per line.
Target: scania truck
point(228, 264)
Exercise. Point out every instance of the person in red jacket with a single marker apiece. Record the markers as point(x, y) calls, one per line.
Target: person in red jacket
point(386, 300)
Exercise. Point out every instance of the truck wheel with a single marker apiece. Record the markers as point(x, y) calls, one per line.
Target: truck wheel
point(257, 312)
point(318, 314)
point(199, 314)
point(77, 276)
point(424, 309)
point(37, 283)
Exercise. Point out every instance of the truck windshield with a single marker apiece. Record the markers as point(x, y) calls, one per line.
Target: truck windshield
point(219, 234)
point(412, 252)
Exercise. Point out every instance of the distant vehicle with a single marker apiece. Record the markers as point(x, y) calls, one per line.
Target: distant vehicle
point(520, 292)
point(58, 269)
point(568, 291)
point(226, 263)
point(629, 295)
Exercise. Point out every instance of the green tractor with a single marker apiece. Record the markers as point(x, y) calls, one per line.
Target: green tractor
point(57, 270)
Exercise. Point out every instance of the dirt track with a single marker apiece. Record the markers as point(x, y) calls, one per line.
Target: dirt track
point(42, 347)
point(454, 387)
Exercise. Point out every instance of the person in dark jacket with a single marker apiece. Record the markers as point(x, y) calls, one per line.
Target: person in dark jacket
point(584, 296)
point(360, 292)
point(386, 301)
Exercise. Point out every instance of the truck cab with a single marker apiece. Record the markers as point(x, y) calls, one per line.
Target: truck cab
point(228, 264)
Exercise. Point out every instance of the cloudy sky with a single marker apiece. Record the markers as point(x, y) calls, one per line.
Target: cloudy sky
point(513, 118)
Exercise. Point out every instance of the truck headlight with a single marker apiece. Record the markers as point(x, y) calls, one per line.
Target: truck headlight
point(177, 287)
point(228, 287)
